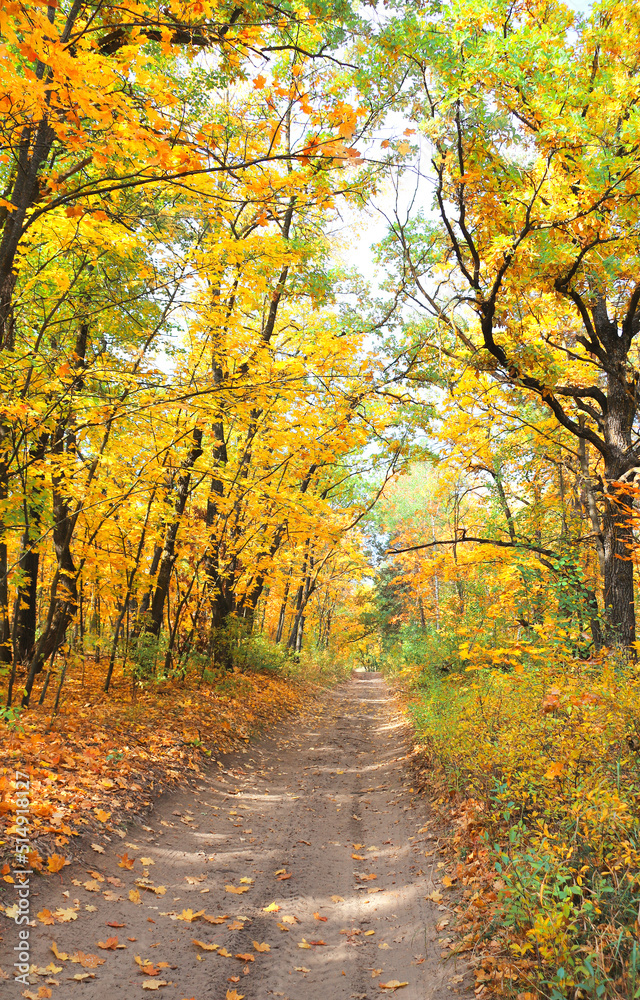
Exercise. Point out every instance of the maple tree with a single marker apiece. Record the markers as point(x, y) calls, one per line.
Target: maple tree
point(163, 252)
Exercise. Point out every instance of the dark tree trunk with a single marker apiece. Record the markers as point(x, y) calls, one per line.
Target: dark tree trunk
point(64, 594)
point(25, 614)
point(168, 556)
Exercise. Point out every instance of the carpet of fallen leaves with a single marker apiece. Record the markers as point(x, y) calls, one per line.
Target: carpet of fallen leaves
point(103, 758)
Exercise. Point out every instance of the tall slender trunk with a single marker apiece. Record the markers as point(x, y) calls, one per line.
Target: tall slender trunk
point(64, 593)
point(283, 610)
point(5, 627)
point(168, 557)
point(25, 613)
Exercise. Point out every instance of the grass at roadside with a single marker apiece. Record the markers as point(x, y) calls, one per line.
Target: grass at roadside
point(539, 771)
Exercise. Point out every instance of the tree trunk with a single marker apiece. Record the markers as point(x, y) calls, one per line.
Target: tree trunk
point(617, 520)
point(168, 557)
point(617, 530)
point(25, 613)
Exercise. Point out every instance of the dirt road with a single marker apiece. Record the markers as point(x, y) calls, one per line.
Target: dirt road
point(303, 858)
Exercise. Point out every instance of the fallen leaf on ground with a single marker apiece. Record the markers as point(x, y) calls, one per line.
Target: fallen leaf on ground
point(302, 968)
point(237, 889)
point(97, 848)
point(109, 945)
point(435, 896)
point(271, 908)
point(288, 919)
point(215, 920)
point(303, 944)
point(45, 917)
point(134, 896)
point(60, 955)
point(189, 915)
point(125, 861)
point(87, 961)
point(261, 947)
point(234, 995)
point(337, 899)
point(64, 916)
point(114, 923)
point(246, 957)
point(393, 984)
point(204, 945)
point(102, 815)
point(56, 863)
point(154, 984)
point(317, 916)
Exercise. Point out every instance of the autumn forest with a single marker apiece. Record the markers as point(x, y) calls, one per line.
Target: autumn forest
point(320, 353)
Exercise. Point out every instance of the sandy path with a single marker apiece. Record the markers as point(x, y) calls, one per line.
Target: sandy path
point(320, 818)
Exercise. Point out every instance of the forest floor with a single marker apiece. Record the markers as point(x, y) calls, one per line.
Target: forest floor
point(299, 867)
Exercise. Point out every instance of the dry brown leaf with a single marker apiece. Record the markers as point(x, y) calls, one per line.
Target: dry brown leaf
point(393, 984)
point(56, 863)
point(205, 946)
point(189, 915)
point(237, 889)
point(46, 917)
point(97, 848)
point(109, 945)
point(134, 896)
point(261, 947)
